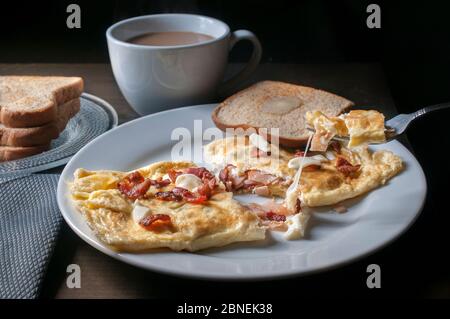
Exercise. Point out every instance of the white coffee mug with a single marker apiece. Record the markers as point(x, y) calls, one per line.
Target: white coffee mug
point(155, 78)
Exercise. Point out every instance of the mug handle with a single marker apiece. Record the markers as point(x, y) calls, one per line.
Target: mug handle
point(243, 74)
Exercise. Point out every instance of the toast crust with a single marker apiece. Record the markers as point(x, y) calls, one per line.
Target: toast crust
point(283, 140)
point(40, 135)
point(30, 101)
point(10, 153)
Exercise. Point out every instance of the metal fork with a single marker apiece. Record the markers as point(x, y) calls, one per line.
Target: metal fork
point(397, 125)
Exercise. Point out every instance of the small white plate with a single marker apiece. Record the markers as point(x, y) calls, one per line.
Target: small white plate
point(373, 220)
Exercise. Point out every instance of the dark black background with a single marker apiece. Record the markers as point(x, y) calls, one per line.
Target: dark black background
point(413, 47)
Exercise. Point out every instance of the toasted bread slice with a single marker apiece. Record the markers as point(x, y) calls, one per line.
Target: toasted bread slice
point(30, 101)
point(9, 153)
point(270, 104)
point(31, 136)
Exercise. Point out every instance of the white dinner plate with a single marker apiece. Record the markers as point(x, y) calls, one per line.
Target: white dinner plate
point(372, 220)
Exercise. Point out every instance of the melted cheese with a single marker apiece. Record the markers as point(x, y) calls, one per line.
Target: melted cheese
point(330, 155)
point(296, 226)
point(307, 161)
point(259, 142)
point(188, 181)
point(325, 129)
point(139, 212)
point(291, 193)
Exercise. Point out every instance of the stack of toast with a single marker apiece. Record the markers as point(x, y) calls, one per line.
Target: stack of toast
point(33, 111)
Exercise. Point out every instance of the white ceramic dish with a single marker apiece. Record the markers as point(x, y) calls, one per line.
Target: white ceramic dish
point(333, 239)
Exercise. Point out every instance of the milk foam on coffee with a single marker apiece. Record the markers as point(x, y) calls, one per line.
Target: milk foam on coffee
point(170, 38)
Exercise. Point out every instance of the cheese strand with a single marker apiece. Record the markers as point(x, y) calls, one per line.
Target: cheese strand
point(290, 204)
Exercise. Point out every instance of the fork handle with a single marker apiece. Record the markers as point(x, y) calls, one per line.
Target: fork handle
point(430, 108)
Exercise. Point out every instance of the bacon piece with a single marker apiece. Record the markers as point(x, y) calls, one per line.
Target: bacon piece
point(197, 200)
point(335, 146)
point(134, 185)
point(269, 218)
point(275, 217)
point(299, 153)
point(256, 152)
point(262, 191)
point(208, 179)
point(156, 223)
point(208, 188)
point(280, 209)
point(178, 194)
point(250, 180)
point(248, 184)
point(169, 196)
point(340, 161)
point(228, 186)
point(260, 177)
point(139, 190)
point(298, 206)
point(345, 167)
point(261, 212)
point(173, 174)
point(238, 181)
point(189, 196)
point(160, 183)
point(212, 183)
point(135, 177)
point(231, 181)
point(224, 173)
point(204, 191)
point(269, 207)
point(181, 191)
point(200, 172)
point(257, 209)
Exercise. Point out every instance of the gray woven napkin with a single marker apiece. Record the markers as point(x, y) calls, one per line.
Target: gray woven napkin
point(29, 224)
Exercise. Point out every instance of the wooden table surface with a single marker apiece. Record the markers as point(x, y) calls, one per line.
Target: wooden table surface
point(105, 277)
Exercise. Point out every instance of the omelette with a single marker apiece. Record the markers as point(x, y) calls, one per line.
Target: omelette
point(346, 174)
point(176, 205)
